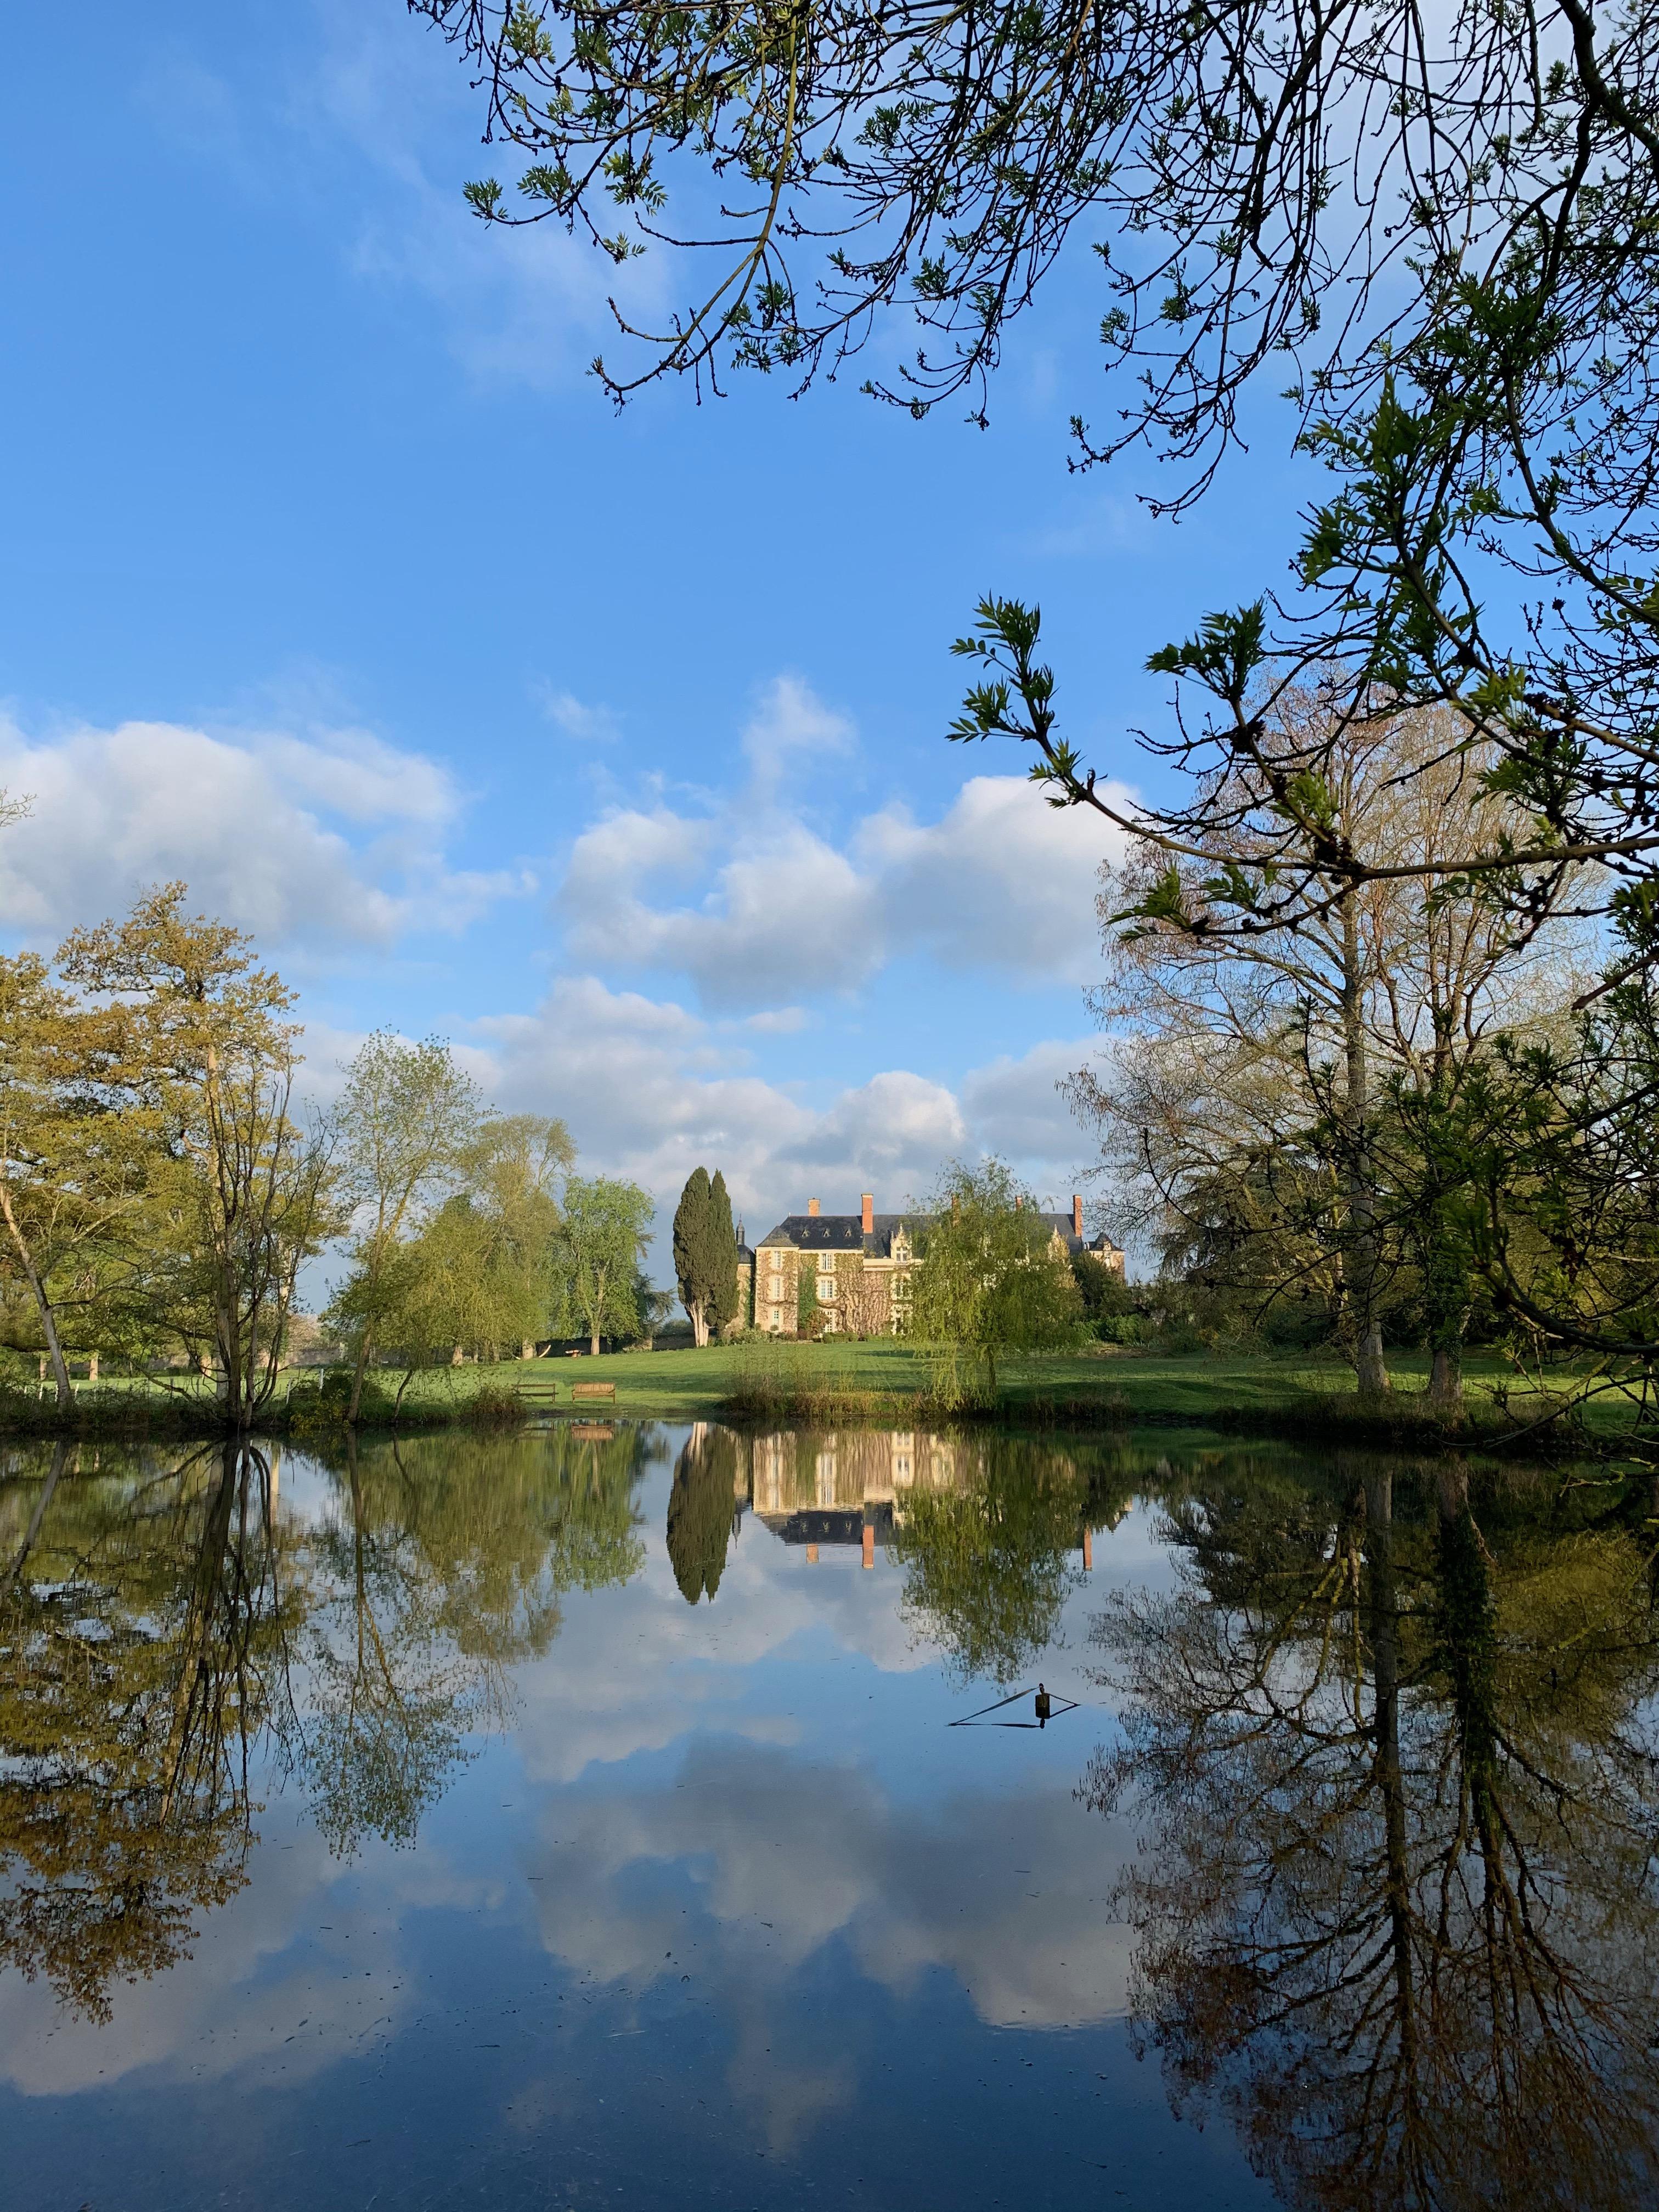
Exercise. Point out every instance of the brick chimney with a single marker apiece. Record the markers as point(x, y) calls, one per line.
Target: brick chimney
point(811, 1206)
point(868, 1201)
point(1077, 1215)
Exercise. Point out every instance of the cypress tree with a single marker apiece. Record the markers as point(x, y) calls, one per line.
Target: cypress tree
point(692, 1232)
point(705, 1253)
point(722, 1255)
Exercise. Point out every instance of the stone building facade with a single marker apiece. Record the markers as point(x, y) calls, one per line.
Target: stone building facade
point(860, 1266)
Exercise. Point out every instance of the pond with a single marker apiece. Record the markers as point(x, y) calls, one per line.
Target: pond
point(655, 1816)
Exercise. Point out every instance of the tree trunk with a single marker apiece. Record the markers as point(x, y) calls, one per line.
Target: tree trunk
point(526, 1349)
point(92, 1367)
point(1446, 1380)
point(1362, 1257)
point(42, 1303)
point(1385, 1728)
point(59, 1453)
point(457, 1357)
point(593, 1344)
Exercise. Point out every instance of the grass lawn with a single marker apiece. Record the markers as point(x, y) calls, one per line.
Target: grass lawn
point(1192, 1387)
point(875, 1380)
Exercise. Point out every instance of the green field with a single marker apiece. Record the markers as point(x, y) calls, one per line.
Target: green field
point(1195, 1387)
point(882, 1380)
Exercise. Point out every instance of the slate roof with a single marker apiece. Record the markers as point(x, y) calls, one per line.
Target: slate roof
point(840, 1232)
point(844, 1232)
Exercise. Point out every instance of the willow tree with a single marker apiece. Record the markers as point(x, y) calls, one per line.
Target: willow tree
point(991, 1281)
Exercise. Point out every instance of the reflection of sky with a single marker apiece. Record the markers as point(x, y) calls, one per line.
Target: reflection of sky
point(731, 1916)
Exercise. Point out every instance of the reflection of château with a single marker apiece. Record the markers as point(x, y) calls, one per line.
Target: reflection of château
point(854, 1486)
point(855, 1268)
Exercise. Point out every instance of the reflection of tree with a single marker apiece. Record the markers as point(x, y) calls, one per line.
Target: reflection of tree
point(701, 1510)
point(1397, 1902)
point(447, 1569)
point(136, 1634)
point(990, 1564)
point(153, 1629)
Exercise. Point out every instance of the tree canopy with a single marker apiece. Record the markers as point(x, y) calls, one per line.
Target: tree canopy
point(991, 1280)
point(705, 1253)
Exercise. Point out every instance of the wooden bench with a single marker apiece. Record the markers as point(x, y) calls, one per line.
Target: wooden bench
point(594, 1390)
point(537, 1389)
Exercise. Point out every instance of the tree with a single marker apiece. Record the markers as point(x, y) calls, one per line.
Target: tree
point(406, 1118)
point(705, 1253)
point(245, 1196)
point(991, 1280)
point(73, 1169)
point(1273, 1106)
point(602, 1240)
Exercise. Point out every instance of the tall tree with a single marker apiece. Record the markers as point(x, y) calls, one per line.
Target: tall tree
point(602, 1240)
point(405, 1118)
point(252, 1196)
point(1264, 1078)
point(705, 1253)
point(73, 1169)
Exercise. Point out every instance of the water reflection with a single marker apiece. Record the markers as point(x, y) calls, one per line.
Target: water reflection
point(620, 1769)
point(1394, 1745)
point(161, 1628)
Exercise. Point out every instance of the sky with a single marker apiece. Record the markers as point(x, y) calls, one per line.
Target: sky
point(610, 748)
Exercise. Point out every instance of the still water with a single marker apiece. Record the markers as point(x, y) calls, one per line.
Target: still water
point(583, 1817)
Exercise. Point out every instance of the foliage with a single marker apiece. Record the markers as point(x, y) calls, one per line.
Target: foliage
point(408, 1117)
point(601, 1242)
point(243, 1196)
point(991, 1281)
point(705, 1253)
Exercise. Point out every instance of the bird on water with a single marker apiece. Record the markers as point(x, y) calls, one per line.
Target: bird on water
point(1044, 1703)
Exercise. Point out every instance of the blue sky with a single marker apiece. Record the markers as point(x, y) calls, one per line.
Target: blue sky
point(610, 748)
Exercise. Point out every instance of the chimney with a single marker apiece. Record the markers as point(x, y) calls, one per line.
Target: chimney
point(1077, 1215)
point(811, 1206)
point(868, 1202)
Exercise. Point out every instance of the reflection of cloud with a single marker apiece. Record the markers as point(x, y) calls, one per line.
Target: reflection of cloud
point(239, 2004)
point(783, 1858)
point(599, 1700)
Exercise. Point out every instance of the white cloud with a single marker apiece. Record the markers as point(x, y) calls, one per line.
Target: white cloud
point(758, 908)
point(1015, 1106)
point(791, 724)
point(650, 1092)
point(591, 724)
point(1002, 880)
point(319, 839)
